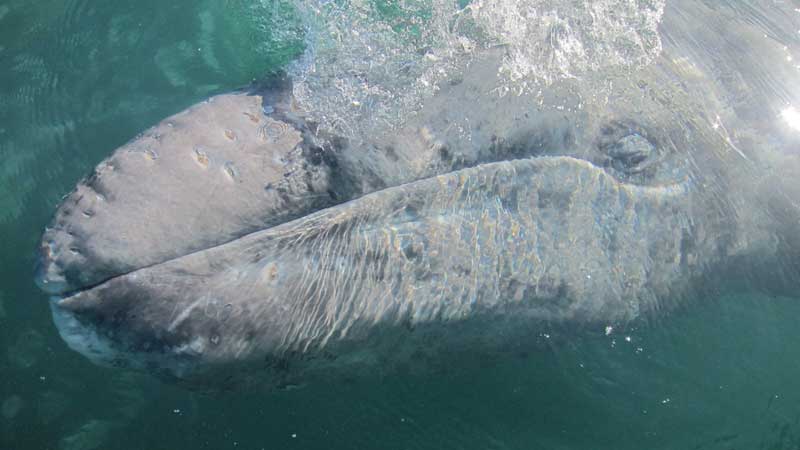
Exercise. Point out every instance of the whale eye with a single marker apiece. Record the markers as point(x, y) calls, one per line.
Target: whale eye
point(630, 152)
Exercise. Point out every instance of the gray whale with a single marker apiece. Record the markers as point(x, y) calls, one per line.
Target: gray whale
point(236, 235)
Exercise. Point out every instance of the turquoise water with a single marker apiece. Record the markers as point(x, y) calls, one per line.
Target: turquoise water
point(78, 79)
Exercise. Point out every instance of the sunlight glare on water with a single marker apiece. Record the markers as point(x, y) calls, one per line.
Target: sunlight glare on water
point(791, 116)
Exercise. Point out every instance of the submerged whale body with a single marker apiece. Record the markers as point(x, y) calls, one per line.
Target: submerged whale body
point(238, 235)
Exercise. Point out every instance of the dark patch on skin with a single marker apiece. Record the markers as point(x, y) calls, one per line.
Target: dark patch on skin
point(380, 262)
point(413, 206)
point(324, 153)
point(274, 88)
point(552, 293)
point(559, 200)
point(278, 363)
point(318, 149)
point(314, 154)
point(444, 154)
point(72, 273)
point(409, 251)
point(412, 211)
point(510, 202)
point(112, 325)
point(94, 182)
point(549, 138)
point(391, 153)
point(512, 285)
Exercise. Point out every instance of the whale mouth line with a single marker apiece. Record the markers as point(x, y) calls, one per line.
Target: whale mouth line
point(65, 295)
point(61, 296)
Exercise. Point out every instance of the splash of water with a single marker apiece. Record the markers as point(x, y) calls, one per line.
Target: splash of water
point(549, 39)
point(368, 64)
point(372, 63)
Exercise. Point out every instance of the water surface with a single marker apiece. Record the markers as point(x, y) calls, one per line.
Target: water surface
point(78, 79)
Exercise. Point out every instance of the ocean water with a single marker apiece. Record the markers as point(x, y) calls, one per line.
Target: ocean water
point(78, 79)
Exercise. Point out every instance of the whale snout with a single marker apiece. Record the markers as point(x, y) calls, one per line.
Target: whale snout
point(216, 171)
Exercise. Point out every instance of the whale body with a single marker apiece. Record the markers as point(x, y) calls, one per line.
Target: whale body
point(240, 237)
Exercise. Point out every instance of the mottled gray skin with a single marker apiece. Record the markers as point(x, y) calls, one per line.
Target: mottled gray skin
point(220, 241)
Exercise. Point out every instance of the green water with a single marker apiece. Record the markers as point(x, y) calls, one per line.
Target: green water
point(78, 79)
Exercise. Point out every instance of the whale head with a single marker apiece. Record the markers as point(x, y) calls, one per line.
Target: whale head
point(238, 234)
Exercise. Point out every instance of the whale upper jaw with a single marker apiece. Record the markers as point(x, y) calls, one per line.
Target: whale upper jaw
point(222, 168)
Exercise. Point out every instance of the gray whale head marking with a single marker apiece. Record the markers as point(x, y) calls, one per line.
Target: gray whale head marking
point(220, 245)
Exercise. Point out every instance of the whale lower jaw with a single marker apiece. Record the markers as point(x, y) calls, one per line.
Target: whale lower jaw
point(85, 339)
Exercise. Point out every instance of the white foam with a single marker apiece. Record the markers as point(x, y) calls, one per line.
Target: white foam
point(367, 68)
point(550, 39)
